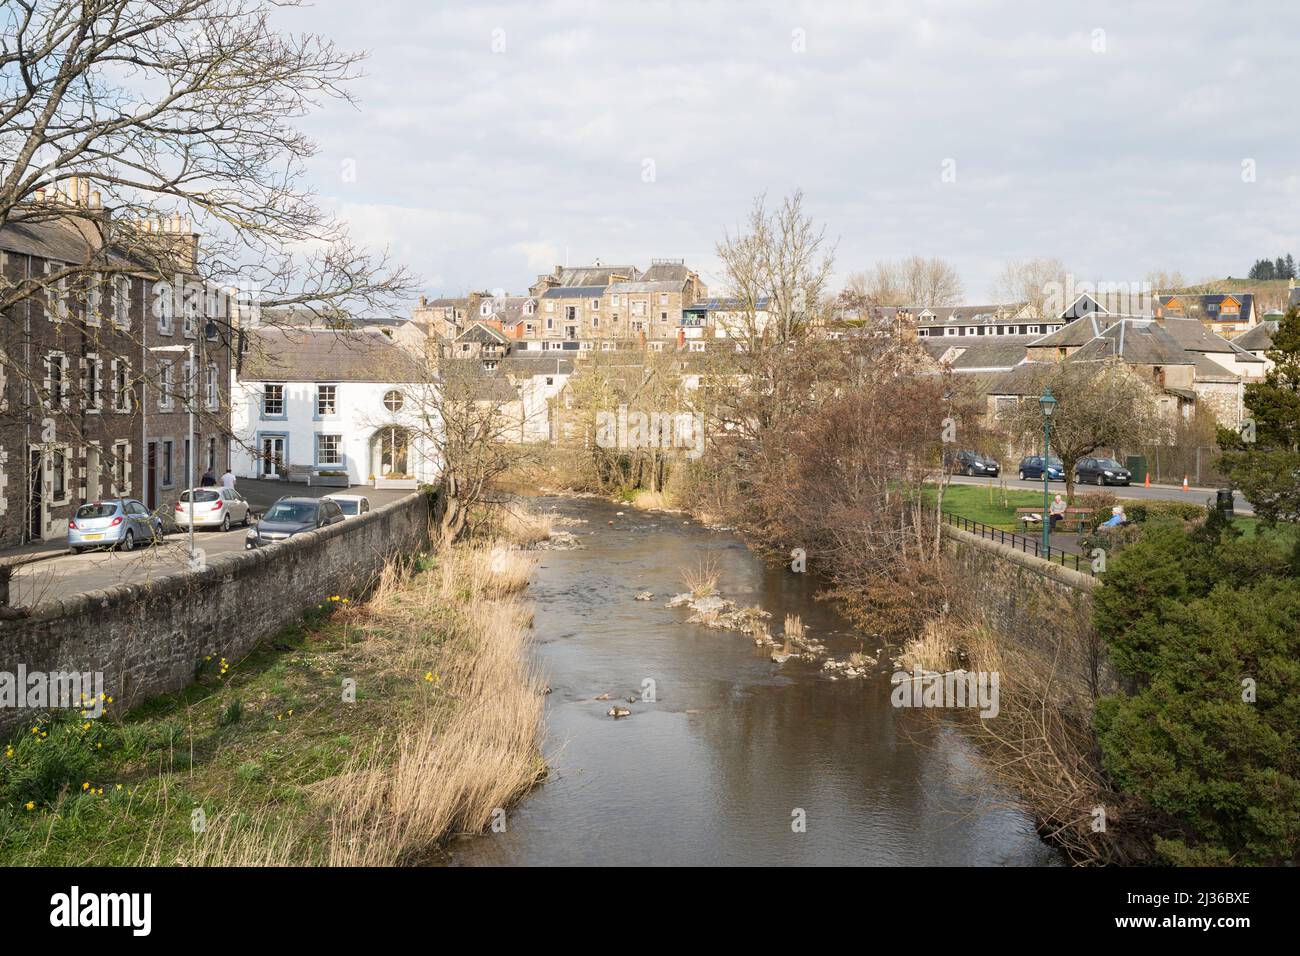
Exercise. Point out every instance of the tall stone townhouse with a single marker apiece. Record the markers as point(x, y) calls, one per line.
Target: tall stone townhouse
point(88, 405)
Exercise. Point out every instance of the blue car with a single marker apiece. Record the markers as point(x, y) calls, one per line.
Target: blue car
point(1031, 467)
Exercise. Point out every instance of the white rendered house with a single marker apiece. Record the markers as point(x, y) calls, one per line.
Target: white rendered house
point(312, 401)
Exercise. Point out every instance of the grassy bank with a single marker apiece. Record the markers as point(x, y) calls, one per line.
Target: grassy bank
point(364, 735)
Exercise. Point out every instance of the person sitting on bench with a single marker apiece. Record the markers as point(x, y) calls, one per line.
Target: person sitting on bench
point(1056, 512)
point(1116, 519)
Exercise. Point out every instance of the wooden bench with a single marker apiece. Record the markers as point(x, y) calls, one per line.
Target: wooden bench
point(1072, 520)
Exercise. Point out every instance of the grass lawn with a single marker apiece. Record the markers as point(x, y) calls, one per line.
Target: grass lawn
point(1285, 534)
point(989, 504)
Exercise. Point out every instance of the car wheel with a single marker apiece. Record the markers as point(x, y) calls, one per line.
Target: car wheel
point(72, 550)
point(1101, 481)
point(128, 541)
point(225, 523)
point(1021, 473)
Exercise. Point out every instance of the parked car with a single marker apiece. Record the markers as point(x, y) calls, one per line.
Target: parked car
point(213, 508)
point(112, 522)
point(1031, 466)
point(353, 506)
point(974, 464)
point(290, 516)
point(1101, 471)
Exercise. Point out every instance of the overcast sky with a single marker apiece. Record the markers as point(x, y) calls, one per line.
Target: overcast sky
point(496, 140)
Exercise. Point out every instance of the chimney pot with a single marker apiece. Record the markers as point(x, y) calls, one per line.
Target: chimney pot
point(95, 199)
point(40, 195)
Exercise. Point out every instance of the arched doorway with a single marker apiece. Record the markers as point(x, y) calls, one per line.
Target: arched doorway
point(390, 451)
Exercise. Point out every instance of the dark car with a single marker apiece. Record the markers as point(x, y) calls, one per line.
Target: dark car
point(1101, 471)
point(973, 464)
point(1031, 466)
point(290, 516)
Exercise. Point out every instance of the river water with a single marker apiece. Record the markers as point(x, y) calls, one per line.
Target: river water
point(735, 749)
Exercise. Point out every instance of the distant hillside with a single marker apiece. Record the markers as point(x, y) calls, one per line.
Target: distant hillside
point(1269, 293)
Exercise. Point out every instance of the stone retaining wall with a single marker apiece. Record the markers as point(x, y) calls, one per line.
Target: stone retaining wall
point(1037, 603)
point(150, 638)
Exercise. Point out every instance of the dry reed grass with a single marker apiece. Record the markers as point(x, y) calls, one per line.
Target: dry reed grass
point(467, 748)
point(1040, 744)
point(702, 579)
point(446, 775)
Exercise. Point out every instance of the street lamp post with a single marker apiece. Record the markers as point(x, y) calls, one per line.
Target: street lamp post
point(189, 445)
point(1048, 404)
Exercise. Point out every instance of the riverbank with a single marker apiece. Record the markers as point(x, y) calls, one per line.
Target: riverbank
point(367, 733)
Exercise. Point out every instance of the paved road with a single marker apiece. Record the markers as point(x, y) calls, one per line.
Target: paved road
point(1156, 492)
point(71, 574)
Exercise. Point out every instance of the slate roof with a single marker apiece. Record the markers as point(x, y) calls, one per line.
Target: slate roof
point(1208, 370)
point(1074, 334)
point(485, 334)
point(980, 351)
point(575, 292)
point(1258, 339)
point(666, 272)
point(1025, 379)
point(326, 355)
point(665, 286)
point(62, 240)
point(1195, 337)
point(595, 275)
point(1137, 342)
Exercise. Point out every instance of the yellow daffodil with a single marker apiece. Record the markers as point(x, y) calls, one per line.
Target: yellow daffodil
point(85, 786)
point(31, 805)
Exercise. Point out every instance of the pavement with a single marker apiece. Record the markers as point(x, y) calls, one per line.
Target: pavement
point(1193, 495)
point(48, 572)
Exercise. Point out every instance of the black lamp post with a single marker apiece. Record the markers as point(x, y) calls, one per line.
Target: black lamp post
point(1048, 404)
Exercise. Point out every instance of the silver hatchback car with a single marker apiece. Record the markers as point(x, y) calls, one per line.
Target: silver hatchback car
point(112, 522)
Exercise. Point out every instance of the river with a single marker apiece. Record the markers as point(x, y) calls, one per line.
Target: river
point(735, 750)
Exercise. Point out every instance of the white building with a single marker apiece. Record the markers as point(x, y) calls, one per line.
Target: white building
point(311, 400)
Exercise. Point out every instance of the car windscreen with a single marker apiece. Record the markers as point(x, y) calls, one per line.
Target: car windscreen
point(291, 513)
point(348, 507)
point(1108, 463)
point(98, 510)
point(200, 497)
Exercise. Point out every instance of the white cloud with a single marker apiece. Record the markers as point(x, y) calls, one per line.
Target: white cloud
point(484, 168)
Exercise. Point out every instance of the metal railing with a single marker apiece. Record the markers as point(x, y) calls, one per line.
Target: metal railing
point(1021, 542)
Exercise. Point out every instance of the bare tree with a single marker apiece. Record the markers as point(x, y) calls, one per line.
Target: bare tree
point(916, 280)
point(777, 267)
point(1039, 283)
point(470, 420)
point(1098, 405)
point(120, 117)
point(1164, 280)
